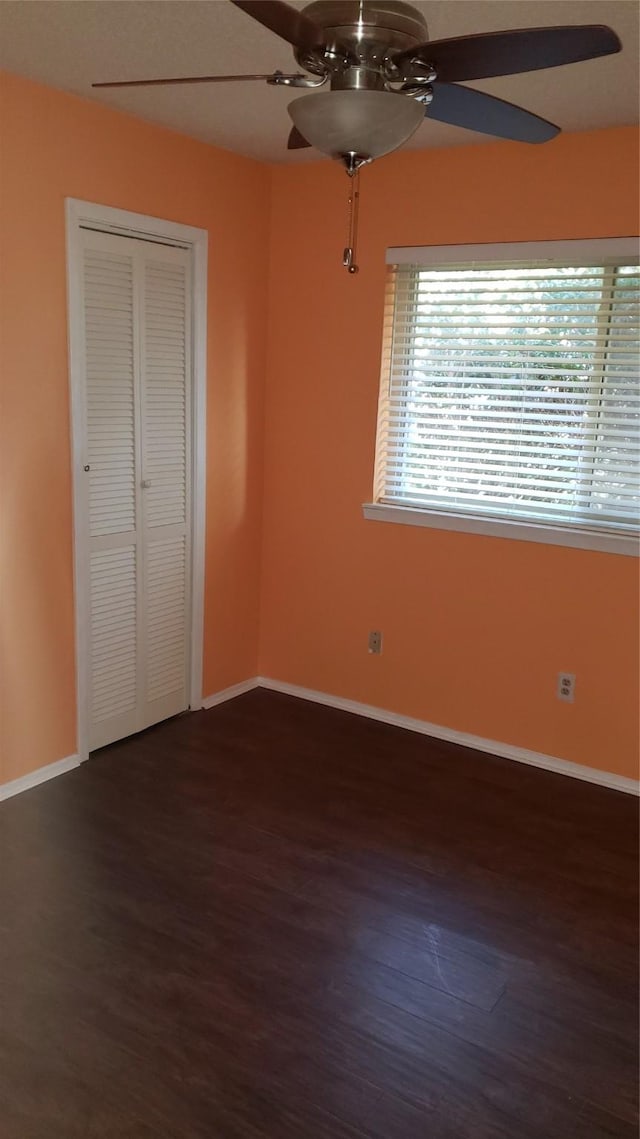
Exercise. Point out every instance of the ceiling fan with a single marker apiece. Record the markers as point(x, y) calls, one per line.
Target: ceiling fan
point(384, 74)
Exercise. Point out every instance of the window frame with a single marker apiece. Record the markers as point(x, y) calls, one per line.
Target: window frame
point(551, 532)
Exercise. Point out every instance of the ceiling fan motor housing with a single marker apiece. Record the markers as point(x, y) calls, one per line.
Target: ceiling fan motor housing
point(360, 39)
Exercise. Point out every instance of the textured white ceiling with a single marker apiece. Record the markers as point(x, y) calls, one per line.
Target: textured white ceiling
point(71, 43)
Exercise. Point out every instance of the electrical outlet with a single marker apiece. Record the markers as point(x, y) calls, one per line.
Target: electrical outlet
point(375, 642)
point(566, 687)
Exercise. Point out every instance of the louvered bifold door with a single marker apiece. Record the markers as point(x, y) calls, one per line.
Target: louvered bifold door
point(110, 482)
point(166, 508)
point(136, 485)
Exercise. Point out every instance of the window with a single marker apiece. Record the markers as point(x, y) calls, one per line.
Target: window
point(510, 388)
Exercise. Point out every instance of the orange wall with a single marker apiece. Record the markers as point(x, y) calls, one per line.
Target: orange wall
point(475, 629)
point(51, 146)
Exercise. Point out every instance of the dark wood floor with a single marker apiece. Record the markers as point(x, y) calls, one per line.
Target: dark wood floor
point(278, 920)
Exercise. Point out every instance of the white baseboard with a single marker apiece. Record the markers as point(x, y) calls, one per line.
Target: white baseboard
point(450, 735)
point(229, 693)
point(40, 775)
point(494, 747)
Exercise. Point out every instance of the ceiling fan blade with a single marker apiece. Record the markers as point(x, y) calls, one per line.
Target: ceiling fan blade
point(285, 21)
point(512, 52)
point(296, 140)
point(192, 79)
point(465, 107)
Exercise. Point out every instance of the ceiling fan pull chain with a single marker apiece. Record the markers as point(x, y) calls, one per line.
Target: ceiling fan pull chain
point(349, 255)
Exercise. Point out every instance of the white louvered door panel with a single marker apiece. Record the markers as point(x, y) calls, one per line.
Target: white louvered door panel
point(166, 566)
point(113, 644)
point(165, 401)
point(137, 486)
point(112, 427)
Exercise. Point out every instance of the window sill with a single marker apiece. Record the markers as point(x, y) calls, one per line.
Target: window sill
point(521, 531)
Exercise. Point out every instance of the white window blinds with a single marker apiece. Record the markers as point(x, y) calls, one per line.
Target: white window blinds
point(512, 390)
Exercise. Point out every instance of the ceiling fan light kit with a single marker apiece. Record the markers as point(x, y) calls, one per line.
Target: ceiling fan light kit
point(367, 123)
point(384, 75)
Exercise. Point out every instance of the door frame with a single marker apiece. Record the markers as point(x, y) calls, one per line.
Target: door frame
point(91, 215)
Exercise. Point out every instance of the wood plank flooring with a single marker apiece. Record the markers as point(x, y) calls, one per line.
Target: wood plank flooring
point(278, 920)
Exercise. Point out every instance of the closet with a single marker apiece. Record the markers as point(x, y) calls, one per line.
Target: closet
point(136, 480)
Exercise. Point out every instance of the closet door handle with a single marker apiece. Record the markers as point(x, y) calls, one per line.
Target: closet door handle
point(145, 484)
